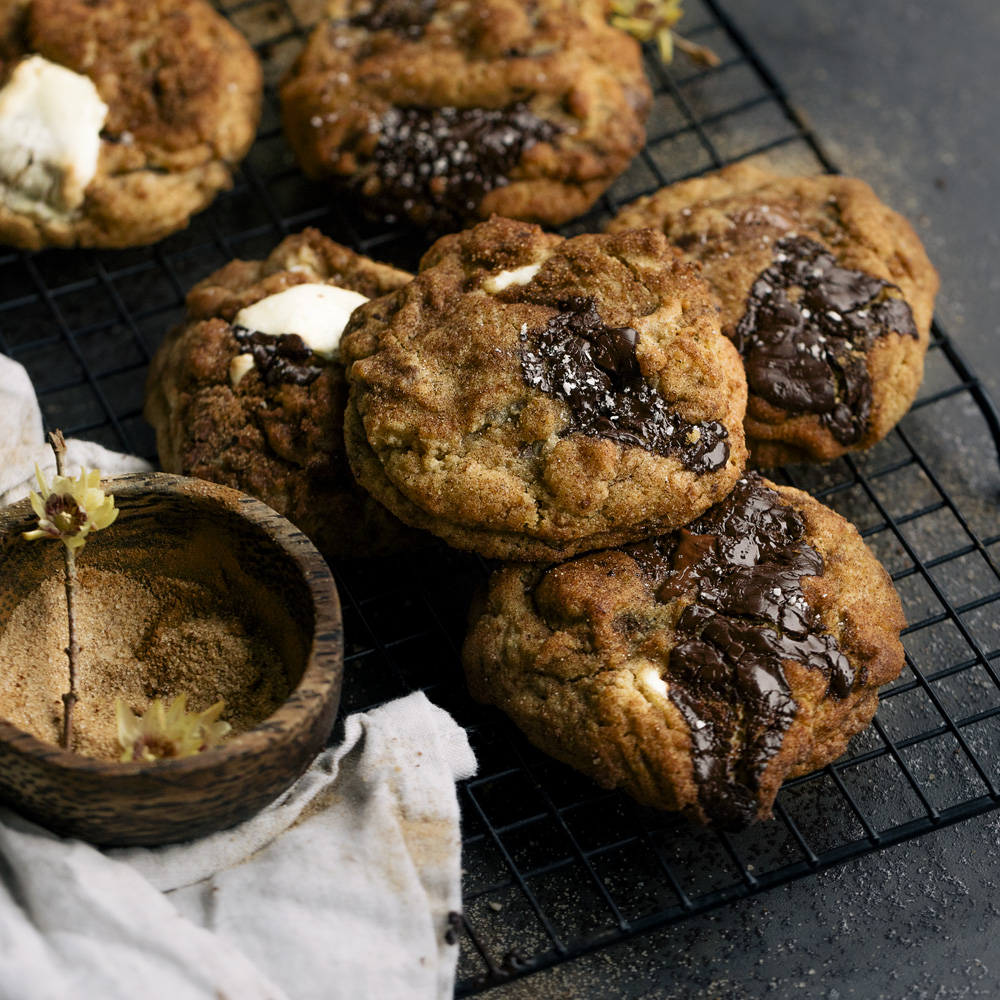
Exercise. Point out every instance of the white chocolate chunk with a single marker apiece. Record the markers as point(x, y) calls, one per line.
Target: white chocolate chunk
point(519, 276)
point(654, 681)
point(50, 137)
point(317, 313)
point(239, 367)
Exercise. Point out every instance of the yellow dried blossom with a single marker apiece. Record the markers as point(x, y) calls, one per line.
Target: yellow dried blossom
point(168, 732)
point(649, 19)
point(71, 508)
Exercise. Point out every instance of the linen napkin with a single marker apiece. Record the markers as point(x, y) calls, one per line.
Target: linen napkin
point(348, 886)
point(343, 889)
point(22, 441)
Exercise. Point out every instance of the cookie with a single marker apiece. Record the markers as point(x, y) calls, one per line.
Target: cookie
point(118, 120)
point(446, 111)
point(249, 392)
point(700, 669)
point(827, 293)
point(530, 397)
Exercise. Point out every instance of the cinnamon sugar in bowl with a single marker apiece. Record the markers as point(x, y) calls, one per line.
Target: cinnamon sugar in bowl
point(196, 589)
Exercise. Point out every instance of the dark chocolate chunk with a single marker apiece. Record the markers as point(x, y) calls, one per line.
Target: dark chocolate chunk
point(594, 369)
point(405, 17)
point(439, 163)
point(744, 560)
point(279, 358)
point(807, 327)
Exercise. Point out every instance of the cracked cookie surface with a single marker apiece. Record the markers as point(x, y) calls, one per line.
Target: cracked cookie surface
point(827, 293)
point(699, 669)
point(532, 397)
point(263, 413)
point(173, 93)
point(446, 111)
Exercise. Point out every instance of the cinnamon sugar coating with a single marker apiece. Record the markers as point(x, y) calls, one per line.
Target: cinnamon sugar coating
point(820, 385)
point(532, 397)
point(183, 90)
point(699, 670)
point(283, 442)
point(448, 111)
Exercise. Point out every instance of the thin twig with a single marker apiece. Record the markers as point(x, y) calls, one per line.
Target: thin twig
point(701, 54)
point(73, 649)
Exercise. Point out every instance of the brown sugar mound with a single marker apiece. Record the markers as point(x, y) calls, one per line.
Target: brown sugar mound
point(142, 637)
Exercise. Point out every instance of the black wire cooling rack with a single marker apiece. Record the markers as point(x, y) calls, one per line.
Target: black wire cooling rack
point(554, 866)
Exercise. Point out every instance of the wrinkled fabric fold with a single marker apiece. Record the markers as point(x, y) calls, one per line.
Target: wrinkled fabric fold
point(22, 441)
point(342, 888)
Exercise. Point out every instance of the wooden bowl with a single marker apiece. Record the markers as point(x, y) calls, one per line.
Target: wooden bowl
point(185, 529)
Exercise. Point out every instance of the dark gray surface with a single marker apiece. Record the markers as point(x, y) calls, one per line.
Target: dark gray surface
point(903, 93)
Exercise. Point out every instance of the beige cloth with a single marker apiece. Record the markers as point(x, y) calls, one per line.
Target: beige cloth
point(340, 890)
point(22, 441)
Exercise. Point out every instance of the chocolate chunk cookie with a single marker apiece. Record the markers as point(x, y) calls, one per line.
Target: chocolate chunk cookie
point(826, 292)
point(700, 669)
point(447, 111)
point(249, 391)
point(118, 119)
point(533, 397)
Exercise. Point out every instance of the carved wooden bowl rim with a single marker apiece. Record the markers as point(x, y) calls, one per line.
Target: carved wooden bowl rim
point(320, 679)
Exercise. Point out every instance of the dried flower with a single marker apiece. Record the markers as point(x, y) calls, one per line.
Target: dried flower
point(649, 19)
point(168, 732)
point(71, 508)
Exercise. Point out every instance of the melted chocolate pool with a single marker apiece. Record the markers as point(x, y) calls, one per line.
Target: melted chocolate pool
point(439, 163)
point(278, 357)
point(804, 350)
point(594, 369)
point(746, 557)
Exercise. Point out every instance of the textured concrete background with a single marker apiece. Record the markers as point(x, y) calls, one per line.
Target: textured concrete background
point(903, 93)
point(906, 94)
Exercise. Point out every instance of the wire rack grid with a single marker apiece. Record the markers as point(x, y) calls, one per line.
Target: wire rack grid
point(555, 867)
